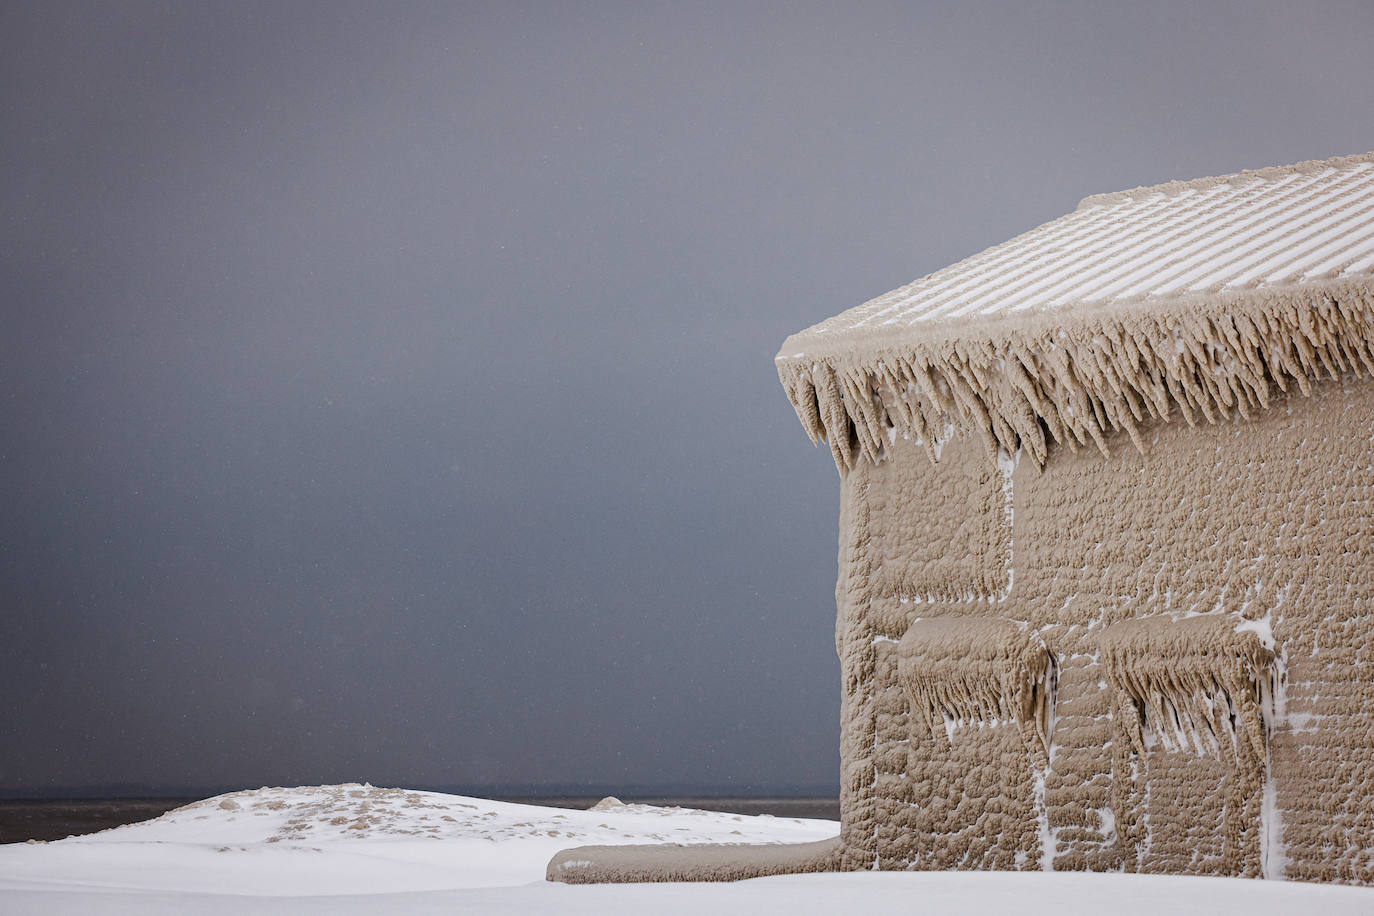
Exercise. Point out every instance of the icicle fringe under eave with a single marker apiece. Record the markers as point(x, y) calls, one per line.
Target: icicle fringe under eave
point(1074, 375)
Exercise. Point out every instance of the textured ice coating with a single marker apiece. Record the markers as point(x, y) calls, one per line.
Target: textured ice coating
point(1199, 299)
point(1207, 604)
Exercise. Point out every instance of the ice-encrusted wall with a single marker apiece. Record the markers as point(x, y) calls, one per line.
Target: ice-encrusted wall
point(1267, 521)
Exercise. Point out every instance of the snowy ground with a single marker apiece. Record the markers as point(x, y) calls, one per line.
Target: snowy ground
point(358, 849)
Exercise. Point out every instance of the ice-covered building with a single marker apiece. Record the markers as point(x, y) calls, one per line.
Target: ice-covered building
point(1106, 574)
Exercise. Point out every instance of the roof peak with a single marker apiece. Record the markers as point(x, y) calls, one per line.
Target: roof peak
point(1269, 173)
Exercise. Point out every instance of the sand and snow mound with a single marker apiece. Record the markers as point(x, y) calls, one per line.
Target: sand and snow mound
point(349, 849)
point(311, 815)
point(360, 839)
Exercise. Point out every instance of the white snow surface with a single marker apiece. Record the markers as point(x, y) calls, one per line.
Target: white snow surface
point(359, 849)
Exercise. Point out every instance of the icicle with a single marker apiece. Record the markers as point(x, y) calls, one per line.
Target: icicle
point(1077, 374)
point(863, 417)
point(803, 396)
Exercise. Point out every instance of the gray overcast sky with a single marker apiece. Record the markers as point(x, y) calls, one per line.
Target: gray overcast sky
point(387, 390)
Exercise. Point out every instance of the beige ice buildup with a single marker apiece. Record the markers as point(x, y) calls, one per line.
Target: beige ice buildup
point(1106, 570)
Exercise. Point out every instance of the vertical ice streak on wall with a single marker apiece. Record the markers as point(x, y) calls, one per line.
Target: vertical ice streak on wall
point(1274, 854)
point(1274, 704)
point(1006, 470)
point(1048, 834)
point(1048, 847)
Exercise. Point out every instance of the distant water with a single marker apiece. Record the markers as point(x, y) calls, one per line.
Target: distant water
point(58, 819)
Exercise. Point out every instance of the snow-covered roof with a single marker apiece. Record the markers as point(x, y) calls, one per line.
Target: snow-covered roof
point(1183, 270)
point(1283, 225)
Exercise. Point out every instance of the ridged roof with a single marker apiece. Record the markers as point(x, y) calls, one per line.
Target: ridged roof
point(1310, 221)
point(1173, 267)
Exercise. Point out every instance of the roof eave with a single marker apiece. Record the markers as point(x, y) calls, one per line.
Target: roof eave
point(1075, 374)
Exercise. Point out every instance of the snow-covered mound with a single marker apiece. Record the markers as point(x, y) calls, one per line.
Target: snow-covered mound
point(312, 815)
point(355, 839)
point(354, 849)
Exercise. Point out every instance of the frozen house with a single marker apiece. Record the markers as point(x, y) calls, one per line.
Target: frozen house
point(1106, 571)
